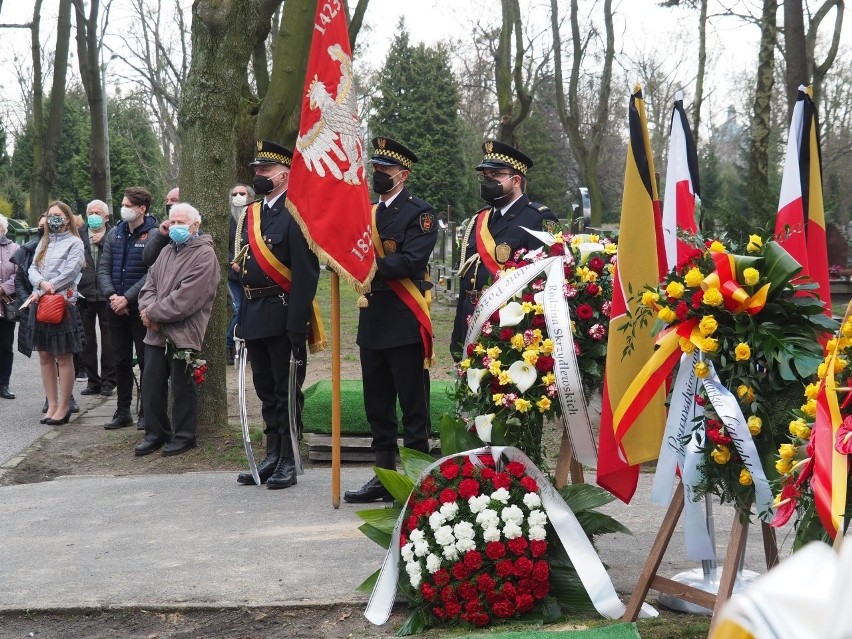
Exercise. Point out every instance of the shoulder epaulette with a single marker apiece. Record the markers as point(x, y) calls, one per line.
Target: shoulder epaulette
point(541, 208)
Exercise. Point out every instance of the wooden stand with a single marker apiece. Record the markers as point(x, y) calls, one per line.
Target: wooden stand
point(566, 464)
point(650, 580)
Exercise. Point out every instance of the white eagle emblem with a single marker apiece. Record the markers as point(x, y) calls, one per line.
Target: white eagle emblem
point(336, 132)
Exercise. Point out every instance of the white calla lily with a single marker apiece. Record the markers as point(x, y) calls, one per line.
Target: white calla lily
point(483, 427)
point(523, 375)
point(511, 315)
point(474, 378)
point(587, 248)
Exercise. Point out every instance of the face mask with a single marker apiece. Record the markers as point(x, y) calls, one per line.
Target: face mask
point(263, 185)
point(179, 233)
point(128, 215)
point(492, 191)
point(382, 183)
point(239, 200)
point(95, 221)
point(55, 223)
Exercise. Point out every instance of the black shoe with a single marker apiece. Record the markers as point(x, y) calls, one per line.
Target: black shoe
point(91, 389)
point(369, 492)
point(80, 376)
point(57, 422)
point(284, 475)
point(173, 448)
point(146, 448)
point(265, 470)
point(5, 393)
point(107, 390)
point(73, 405)
point(120, 419)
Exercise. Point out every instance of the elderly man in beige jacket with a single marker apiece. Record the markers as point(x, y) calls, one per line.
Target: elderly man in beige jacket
point(175, 305)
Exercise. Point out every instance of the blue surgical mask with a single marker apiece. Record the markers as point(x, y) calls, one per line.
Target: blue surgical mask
point(94, 221)
point(179, 233)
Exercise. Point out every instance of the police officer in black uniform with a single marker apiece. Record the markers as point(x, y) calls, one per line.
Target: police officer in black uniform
point(503, 183)
point(392, 348)
point(274, 323)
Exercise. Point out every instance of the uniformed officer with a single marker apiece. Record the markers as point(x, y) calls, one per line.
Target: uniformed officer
point(495, 233)
point(395, 329)
point(279, 274)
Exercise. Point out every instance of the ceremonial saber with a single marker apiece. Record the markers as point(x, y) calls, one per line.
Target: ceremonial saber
point(335, 389)
point(241, 391)
point(293, 409)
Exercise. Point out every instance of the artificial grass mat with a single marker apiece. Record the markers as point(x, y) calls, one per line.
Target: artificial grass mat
point(316, 415)
point(617, 631)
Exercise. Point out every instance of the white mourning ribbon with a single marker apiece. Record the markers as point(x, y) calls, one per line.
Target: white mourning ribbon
point(558, 320)
point(676, 455)
point(580, 551)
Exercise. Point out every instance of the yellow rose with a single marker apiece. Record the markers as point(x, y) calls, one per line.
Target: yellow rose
point(754, 244)
point(497, 398)
point(745, 393)
point(493, 352)
point(693, 277)
point(721, 455)
point(708, 325)
point(494, 367)
point(517, 342)
point(649, 299)
point(811, 390)
point(803, 432)
point(675, 290)
point(831, 345)
point(543, 404)
point(530, 356)
point(840, 364)
point(522, 405)
point(755, 424)
point(846, 329)
point(709, 345)
point(742, 352)
point(809, 408)
point(751, 276)
point(717, 246)
point(822, 369)
point(786, 451)
point(745, 478)
point(464, 364)
point(504, 378)
point(702, 370)
point(667, 315)
point(686, 345)
point(712, 297)
point(783, 466)
point(546, 346)
point(795, 425)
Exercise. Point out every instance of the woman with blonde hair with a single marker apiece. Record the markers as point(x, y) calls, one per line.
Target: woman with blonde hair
point(56, 269)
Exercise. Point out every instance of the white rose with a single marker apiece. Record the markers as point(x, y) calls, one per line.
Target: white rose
point(478, 503)
point(416, 535)
point(501, 495)
point(407, 552)
point(444, 536)
point(433, 563)
point(449, 511)
point(532, 500)
point(513, 514)
point(421, 549)
point(512, 530)
point(537, 532)
point(436, 520)
point(450, 553)
point(492, 533)
point(463, 530)
point(464, 545)
point(537, 518)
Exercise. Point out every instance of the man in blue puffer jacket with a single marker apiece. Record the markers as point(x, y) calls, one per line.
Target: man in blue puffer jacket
point(121, 274)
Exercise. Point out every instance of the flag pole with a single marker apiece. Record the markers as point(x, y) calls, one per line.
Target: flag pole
point(335, 389)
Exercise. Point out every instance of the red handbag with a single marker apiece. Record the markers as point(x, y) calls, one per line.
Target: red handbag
point(51, 309)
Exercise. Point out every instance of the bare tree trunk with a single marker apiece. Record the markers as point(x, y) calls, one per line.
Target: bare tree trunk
point(514, 97)
point(702, 66)
point(820, 70)
point(795, 56)
point(760, 204)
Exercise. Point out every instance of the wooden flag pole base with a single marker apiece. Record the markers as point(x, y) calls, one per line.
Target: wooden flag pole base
point(567, 464)
point(650, 580)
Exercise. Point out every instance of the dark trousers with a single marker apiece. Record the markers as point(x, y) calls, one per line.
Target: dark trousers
point(127, 332)
point(270, 370)
point(97, 312)
point(392, 373)
point(7, 341)
point(159, 367)
point(236, 301)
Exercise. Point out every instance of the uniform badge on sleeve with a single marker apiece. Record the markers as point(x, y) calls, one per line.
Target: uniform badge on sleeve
point(389, 246)
point(427, 222)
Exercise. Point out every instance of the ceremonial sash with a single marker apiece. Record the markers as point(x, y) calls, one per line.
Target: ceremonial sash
point(280, 273)
point(416, 301)
point(485, 244)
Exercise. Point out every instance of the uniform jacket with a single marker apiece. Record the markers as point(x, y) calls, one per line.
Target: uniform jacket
point(61, 265)
point(88, 287)
point(505, 230)
point(272, 316)
point(121, 270)
point(178, 293)
point(409, 229)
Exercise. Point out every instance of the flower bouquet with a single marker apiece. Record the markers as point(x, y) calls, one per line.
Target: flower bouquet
point(747, 335)
point(470, 542)
point(508, 376)
point(196, 366)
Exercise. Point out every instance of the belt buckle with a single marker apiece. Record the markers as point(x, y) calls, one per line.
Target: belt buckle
point(247, 292)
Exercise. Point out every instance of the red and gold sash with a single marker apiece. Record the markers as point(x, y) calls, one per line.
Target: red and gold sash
point(485, 244)
point(416, 301)
point(280, 273)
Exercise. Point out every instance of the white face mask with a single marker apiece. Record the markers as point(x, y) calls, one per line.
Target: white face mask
point(128, 215)
point(239, 200)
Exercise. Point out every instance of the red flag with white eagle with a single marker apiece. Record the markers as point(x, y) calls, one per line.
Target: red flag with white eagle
point(682, 185)
point(800, 223)
point(328, 194)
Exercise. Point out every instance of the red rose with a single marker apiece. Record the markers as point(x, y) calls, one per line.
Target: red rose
point(473, 559)
point(428, 592)
point(474, 605)
point(524, 603)
point(504, 568)
point(441, 577)
point(541, 589)
point(700, 400)
point(503, 609)
point(487, 460)
point(541, 571)
point(480, 619)
point(681, 311)
point(453, 609)
point(585, 311)
point(523, 567)
point(537, 321)
point(502, 480)
point(468, 591)
point(450, 470)
point(485, 583)
point(525, 586)
point(494, 550)
point(516, 468)
point(448, 593)
point(468, 487)
point(460, 571)
point(509, 591)
point(495, 317)
point(544, 364)
point(429, 485)
point(488, 473)
point(592, 288)
point(517, 545)
point(596, 264)
point(506, 334)
point(538, 547)
point(530, 484)
point(411, 524)
point(697, 296)
point(448, 496)
point(469, 349)
point(715, 435)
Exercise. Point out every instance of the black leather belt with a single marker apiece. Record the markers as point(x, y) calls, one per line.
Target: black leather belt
point(382, 285)
point(263, 291)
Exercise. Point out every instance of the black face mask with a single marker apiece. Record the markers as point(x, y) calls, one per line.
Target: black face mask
point(492, 191)
point(262, 184)
point(382, 183)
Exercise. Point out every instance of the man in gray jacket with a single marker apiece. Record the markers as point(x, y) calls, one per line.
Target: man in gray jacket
point(175, 305)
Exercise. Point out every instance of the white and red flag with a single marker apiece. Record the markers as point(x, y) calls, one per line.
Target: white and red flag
point(681, 185)
point(328, 194)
